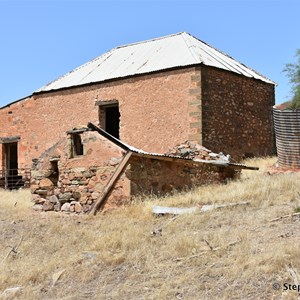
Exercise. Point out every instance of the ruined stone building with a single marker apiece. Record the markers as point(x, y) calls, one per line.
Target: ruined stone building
point(150, 95)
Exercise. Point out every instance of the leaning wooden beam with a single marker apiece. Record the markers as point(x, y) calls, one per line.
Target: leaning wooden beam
point(107, 189)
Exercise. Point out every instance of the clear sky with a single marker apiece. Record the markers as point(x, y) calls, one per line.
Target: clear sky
point(42, 40)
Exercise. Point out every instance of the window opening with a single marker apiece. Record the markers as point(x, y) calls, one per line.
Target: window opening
point(54, 172)
point(77, 144)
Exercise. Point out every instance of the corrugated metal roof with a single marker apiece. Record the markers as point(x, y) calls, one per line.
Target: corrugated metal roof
point(127, 147)
point(178, 50)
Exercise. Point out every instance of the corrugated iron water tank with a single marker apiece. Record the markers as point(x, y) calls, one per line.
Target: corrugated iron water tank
point(287, 133)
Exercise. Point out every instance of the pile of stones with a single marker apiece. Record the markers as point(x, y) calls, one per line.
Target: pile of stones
point(54, 203)
point(195, 151)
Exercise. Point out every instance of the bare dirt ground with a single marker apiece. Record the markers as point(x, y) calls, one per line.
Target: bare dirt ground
point(242, 252)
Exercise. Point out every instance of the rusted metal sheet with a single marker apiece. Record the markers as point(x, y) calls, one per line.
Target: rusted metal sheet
point(287, 132)
point(172, 51)
point(139, 152)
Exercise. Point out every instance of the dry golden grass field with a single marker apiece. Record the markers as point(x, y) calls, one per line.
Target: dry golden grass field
point(228, 253)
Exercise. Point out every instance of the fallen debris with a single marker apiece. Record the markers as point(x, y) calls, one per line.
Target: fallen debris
point(195, 151)
point(285, 216)
point(161, 210)
point(13, 250)
point(56, 276)
point(11, 293)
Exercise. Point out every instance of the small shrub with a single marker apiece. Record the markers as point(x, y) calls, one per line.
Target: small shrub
point(293, 73)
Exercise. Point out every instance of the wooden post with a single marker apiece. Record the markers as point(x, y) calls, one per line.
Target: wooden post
point(6, 166)
point(107, 189)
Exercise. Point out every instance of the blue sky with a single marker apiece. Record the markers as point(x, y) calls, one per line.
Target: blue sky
point(42, 40)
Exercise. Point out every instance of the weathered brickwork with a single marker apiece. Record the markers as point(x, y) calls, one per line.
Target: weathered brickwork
point(154, 108)
point(154, 112)
point(236, 114)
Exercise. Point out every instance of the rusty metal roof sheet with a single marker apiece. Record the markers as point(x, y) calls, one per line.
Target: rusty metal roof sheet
point(143, 153)
point(178, 50)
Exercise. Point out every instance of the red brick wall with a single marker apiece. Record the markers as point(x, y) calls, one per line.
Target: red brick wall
point(42, 120)
point(154, 108)
point(154, 113)
point(236, 114)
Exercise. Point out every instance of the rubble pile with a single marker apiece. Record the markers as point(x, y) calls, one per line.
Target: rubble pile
point(195, 151)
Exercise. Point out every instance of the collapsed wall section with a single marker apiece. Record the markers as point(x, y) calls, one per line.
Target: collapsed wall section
point(64, 182)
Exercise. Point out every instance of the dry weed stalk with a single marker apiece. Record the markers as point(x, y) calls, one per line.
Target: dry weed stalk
point(13, 249)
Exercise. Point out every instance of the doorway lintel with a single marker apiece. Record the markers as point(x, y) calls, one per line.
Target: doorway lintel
point(8, 140)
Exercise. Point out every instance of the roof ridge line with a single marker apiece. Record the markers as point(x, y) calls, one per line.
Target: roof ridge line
point(232, 58)
point(150, 40)
point(189, 46)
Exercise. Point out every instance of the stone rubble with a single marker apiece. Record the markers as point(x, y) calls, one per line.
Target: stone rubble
point(195, 151)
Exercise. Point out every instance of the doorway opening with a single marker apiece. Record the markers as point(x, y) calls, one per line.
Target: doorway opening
point(11, 158)
point(12, 180)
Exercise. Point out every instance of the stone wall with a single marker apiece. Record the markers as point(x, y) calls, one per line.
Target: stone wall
point(62, 183)
point(236, 114)
point(160, 177)
point(77, 190)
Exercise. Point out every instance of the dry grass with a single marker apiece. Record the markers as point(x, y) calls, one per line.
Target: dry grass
point(116, 256)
